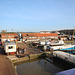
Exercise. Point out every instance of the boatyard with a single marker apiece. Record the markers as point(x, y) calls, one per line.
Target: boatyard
point(37, 37)
point(41, 47)
point(50, 52)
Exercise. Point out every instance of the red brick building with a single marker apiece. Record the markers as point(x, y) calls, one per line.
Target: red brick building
point(39, 35)
point(29, 36)
point(9, 37)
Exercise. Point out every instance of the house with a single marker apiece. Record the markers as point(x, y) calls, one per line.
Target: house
point(9, 37)
point(27, 36)
point(38, 36)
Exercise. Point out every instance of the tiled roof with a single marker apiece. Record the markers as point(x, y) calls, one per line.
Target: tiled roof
point(46, 34)
point(38, 34)
point(9, 34)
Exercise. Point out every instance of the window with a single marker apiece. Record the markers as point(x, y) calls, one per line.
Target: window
point(10, 47)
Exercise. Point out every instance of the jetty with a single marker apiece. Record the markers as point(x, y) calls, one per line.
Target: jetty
point(69, 58)
point(16, 60)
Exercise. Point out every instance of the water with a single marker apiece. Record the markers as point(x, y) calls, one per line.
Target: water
point(39, 67)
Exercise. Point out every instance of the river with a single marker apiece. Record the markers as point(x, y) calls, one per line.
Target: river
point(40, 67)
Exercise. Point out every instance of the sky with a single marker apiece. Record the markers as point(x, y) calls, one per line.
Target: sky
point(36, 15)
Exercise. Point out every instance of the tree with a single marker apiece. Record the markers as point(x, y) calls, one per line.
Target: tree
point(3, 31)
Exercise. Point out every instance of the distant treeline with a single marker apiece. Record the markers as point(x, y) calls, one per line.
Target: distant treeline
point(8, 32)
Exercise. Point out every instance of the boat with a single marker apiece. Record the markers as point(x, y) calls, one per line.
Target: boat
point(47, 45)
point(59, 46)
point(42, 42)
point(59, 43)
point(63, 47)
point(52, 43)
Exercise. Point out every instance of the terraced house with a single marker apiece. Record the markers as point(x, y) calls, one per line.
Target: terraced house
point(9, 37)
point(38, 36)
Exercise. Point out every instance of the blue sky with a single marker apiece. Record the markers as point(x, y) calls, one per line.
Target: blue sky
point(37, 15)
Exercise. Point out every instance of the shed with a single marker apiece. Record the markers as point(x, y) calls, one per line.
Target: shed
point(9, 47)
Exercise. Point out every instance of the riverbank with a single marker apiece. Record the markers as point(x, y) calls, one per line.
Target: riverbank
point(6, 66)
point(16, 60)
